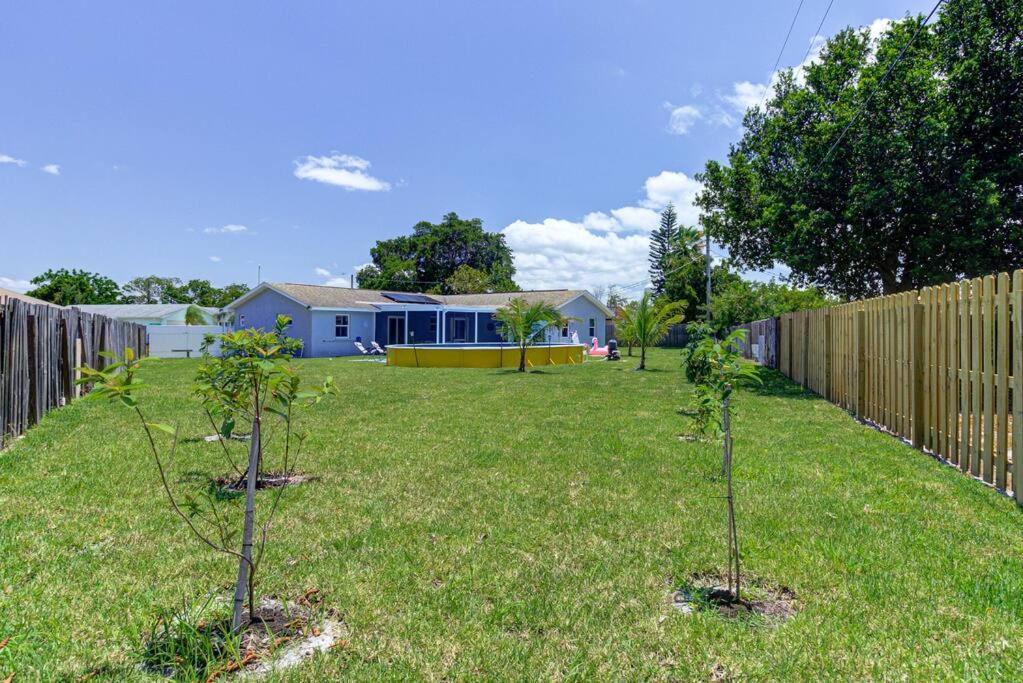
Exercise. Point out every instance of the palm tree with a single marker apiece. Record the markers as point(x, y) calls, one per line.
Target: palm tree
point(624, 329)
point(522, 322)
point(195, 315)
point(650, 323)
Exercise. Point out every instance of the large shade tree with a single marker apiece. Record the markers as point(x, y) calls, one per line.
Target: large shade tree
point(70, 287)
point(434, 253)
point(863, 183)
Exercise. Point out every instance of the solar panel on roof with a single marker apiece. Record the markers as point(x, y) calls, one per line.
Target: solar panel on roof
point(403, 298)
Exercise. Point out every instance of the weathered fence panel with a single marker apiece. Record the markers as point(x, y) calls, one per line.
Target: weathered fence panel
point(941, 367)
point(40, 348)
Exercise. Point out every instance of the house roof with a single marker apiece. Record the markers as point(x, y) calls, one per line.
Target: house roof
point(10, 294)
point(325, 296)
point(140, 310)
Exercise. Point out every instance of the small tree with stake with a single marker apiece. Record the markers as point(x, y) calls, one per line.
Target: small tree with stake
point(723, 370)
point(253, 381)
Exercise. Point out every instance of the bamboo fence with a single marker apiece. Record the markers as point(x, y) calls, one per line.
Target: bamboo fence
point(41, 348)
point(941, 367)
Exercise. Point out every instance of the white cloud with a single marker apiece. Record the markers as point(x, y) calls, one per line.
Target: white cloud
point(677, 188)
point(229, 229)
point(682, 118)
point(52, 169)
point(332, 280)
point(342, 170)
point(604, 247)
point(745, 95)
point(559, 253)
point(7, 159)
point(15, 285)
point(216, 259)
point(636, 218)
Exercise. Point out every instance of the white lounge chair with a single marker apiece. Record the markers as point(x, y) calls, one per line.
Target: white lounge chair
point(361, 348)
point(377, 348)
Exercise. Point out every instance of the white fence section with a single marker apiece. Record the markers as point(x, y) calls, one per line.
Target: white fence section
point(180, 341)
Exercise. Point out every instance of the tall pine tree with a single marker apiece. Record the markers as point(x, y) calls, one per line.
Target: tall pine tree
point(661, 243)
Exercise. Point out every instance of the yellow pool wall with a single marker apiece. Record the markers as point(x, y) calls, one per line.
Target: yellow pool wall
point(483, 357)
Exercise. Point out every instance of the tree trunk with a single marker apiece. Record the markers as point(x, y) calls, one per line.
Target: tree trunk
point(642, 357)
point(522, 359)
point(630, 349)
point(245, 562)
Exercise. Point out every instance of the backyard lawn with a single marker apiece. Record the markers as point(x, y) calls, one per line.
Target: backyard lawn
point(472, 523)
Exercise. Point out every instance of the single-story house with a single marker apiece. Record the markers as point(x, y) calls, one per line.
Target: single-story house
point(152, 314)
point(329, 320)
point(6, 294)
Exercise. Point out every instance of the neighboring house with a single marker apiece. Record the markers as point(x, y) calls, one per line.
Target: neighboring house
point(329, 320)
point(151, 314)
point(10, 294)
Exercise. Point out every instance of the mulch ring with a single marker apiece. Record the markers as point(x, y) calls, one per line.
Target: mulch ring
point(266, 480)
point(283, 634)
point(709, 592)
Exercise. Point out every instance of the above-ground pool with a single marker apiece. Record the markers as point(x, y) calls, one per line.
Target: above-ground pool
point(481, 355)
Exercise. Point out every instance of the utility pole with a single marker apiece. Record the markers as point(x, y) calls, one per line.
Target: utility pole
point(706, 244)
point(259, 273)
point(352, 281)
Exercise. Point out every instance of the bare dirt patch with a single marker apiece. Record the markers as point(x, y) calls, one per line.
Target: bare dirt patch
point(708, 592)
point(266, 480)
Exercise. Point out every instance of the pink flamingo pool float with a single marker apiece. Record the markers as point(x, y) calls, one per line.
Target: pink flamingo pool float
point(597, 350)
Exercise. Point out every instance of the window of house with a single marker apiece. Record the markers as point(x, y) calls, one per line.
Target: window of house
point(593, 328)
point(341, 326)
point(564, 331)
point(433, 326)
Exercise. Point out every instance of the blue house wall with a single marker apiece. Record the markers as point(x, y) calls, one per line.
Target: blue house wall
point(490, 330)
point(324, 340)
point(261, 313)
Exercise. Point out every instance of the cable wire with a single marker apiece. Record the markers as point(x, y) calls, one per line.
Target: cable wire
point(870, 97)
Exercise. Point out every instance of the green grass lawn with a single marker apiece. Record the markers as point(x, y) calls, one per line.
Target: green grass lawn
point(482, 523)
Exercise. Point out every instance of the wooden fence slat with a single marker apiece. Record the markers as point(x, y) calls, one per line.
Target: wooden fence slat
point(1017, 385)
point(39, 351)
point(1002, 385)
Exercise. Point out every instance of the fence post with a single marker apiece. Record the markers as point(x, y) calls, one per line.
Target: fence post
point(917, 350)
point(78, 366)
point(859, 356)
point(828, 348)
point(1017, 385)
point(806, 349)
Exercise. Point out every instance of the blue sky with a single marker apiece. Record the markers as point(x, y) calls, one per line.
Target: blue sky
point(202, 139)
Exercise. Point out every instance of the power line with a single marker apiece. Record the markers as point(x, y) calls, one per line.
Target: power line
point(816, 33)
point(781, 51)
point(891, 68)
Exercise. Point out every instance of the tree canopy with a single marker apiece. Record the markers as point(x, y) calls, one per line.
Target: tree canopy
point(926, 184)
point(741, 301)
point(155, 289)
point(70, 287)
point(78, 287)
point(431, 259)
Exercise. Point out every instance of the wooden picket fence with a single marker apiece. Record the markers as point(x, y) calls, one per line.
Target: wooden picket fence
point(40, 349)
point(941, 367)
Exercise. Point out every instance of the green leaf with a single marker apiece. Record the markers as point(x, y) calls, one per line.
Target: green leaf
point(162, 427)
